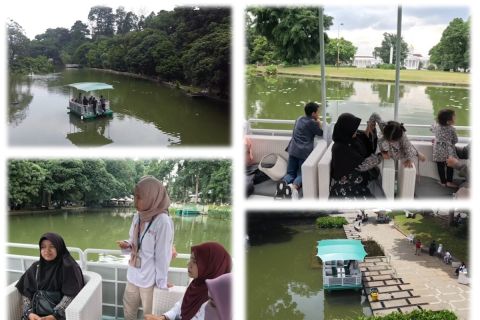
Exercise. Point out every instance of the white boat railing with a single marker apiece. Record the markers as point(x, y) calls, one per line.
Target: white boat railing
point(113, 273)
point(282, 132)
point(345, 281)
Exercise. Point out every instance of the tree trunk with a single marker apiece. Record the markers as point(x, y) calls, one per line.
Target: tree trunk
point(451, 217)
point(196, 188)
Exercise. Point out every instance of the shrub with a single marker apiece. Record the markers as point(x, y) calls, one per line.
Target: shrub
point(386, 66)
point(331, 222)
point(417, 315)
point(271, 70)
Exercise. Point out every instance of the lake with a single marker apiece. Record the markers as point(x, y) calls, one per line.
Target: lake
point(100, 228)
point(284, 97)
point(284, 277)
point(146, 113)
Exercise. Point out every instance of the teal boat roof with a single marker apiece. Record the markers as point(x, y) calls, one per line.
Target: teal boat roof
point(340, 249)
point(90, 86)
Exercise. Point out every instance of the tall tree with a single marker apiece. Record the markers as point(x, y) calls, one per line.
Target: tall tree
point(293, 31)
point(390, 40)
point(342, 49)
point(79, 32)
point(102, 21)
point(25, 182)
point(452, 52)
point(18, 42)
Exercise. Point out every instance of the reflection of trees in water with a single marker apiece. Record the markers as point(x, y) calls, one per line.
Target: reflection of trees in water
point(19, 98)
point(386, 93)
point(285, 97)
point(456, 99)
point(340, 90)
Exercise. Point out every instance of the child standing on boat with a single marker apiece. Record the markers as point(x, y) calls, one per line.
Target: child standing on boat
point(444, 145)
point(394, 143)
point(150, 246)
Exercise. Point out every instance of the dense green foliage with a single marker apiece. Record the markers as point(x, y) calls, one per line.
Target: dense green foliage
point(453, 50)
point(342, 49)
point(188, 45)
point(331, 222)
point(39, 183)
point(415, 315)
point(287, 35)
point(390, 40)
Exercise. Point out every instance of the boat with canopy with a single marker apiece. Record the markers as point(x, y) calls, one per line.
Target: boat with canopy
point(341, 258)
point(87, 105)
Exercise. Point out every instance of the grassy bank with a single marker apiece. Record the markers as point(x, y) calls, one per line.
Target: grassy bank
point(411, 76)
point(427, 228)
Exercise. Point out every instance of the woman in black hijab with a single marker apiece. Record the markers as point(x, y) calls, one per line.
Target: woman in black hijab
point(352, 157)
point(56, 275)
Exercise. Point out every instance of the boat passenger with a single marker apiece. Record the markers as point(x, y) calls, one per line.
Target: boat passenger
point(299, 148)
point(50, 284)
point(102, 103)
point(462, 165)
point(394, 143)
point(353, 160)
point(219, 292)
point(208, 260)
point(444, 145)
point(94, 104)
point(85, 100)
point(150, 246)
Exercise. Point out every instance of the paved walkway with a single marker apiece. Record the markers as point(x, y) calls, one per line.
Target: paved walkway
point(432, 280)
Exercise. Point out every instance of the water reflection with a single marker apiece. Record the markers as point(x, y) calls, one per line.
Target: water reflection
point(100, 228)
point(284, 98)
point(284, 277)
point(145, 113)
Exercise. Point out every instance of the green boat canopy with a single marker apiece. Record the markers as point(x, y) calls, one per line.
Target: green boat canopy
point(340, 249)
point(90, 86)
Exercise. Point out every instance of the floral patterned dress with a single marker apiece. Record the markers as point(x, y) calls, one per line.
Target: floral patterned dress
point(444, 143)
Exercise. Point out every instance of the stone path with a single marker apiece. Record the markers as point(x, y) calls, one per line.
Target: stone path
point(394, 294)
point(433, 281)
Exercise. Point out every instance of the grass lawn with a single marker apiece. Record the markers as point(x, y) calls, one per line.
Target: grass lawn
point(427, 228)
point(417, 76)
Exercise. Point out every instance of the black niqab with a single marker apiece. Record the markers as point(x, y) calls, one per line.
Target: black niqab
point(346, 155)
point(62, 274)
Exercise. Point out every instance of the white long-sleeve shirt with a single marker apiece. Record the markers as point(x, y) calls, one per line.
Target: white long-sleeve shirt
point(175, 312)
point(155, 253)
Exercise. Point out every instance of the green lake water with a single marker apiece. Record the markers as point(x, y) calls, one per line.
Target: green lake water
point(100, 228)
point(284, 277)
point(145, 113)
point(284, 98)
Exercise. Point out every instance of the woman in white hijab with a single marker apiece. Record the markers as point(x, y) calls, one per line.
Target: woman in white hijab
point(149, 245)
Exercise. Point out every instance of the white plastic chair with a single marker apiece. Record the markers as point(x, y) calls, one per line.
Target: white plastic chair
point(165, 299)
point(86, 305)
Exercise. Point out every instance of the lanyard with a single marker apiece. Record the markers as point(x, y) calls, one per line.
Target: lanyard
point(146, 230)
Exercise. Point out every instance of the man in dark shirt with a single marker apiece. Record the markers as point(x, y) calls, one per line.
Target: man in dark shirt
point(300, 147)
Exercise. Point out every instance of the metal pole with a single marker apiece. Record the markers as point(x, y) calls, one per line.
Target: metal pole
point(338, 45)
point(322, 71)
point(397, 62)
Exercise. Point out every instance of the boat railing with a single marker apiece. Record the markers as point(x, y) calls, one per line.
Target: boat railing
point(342, 281)
point(282, 132)
point(113, 273)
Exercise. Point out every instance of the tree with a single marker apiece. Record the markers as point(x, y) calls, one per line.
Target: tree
point(125, 21)
point(452, 52)
point(78, 33)
point(18, 42)
point(25, 182)
point(100, 185)
point(102, 21)
point(341, 47)
point(390, 40)
point(293, 31)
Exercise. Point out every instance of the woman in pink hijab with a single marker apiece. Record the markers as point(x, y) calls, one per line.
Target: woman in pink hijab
point(219, 291)
point(149, 245)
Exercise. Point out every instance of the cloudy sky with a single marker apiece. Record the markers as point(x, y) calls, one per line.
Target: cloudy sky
point(37, 16)
point(364, 26)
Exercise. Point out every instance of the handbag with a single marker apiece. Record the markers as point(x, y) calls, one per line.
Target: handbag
point(274, 166)
point(43, 301)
